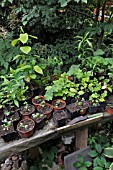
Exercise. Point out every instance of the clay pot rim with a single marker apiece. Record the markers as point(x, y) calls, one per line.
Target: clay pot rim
point(29, 129)
point(62, 101)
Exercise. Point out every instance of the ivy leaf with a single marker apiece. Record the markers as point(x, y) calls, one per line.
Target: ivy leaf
point(23, 38)
point(25, 49)
point(38, 69)
point(13, 43)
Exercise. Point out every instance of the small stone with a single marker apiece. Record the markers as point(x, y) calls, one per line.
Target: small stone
point(14, 157)
point(20, 168)
point(7, 161)
point(9, 167)
point(24, 165)
point(14, 168)
point(16, 164)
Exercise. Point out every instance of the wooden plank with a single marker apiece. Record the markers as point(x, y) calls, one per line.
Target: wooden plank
point(44, 135)
point(81, 138)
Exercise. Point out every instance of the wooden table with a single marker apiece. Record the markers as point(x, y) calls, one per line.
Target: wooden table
point(43, 135)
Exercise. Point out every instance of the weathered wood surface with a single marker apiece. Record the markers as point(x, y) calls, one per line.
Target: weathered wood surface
point(46, 134)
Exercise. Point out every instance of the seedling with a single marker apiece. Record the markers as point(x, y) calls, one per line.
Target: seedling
point(6, 124)
point(81, 163)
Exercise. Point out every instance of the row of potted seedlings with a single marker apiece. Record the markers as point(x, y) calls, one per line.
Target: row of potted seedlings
point(24, 121)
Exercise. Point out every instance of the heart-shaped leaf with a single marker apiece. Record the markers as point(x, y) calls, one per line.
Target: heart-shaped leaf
point(23, 38)
point(25, 49)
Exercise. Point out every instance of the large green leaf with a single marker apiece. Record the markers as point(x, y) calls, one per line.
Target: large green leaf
point(25, 49)
point(98, 52)
point(85, 1)
point(38, 69)
point(23, 38)
point(63, 2)
point(98, 168)
point(108, 152)
point(111, 167)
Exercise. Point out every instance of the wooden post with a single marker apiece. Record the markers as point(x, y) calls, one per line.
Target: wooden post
point(81, 138)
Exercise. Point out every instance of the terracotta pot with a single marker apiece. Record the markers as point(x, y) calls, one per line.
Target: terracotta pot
point(46, 109)
point(109, 110)
point(36, 102)
point(83, 111)
point(58, 104)
point(26, 132)
point(27, 113)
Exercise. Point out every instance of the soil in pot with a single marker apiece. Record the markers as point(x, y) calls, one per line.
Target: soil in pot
point(60, 118)
point(109, 108)
point(58, 104)
point(26, 127)
point(37, 100)
point(27, 110)
point(39, 119)
point(12, 109)
point(14, 118)
point(7, 131)
point(72, 111)
point(46, 109)
point(82, 106)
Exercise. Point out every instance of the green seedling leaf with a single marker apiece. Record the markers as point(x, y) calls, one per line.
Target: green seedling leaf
point(23, 38)
point(100, 162)
point(38, 69)
point(93, 153)
point(88, 164)
point(76, 164)
point(80, 159)
point(13, 43)
point(25, 49)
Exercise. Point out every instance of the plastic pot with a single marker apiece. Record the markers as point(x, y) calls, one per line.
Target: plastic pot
point(60, 118)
